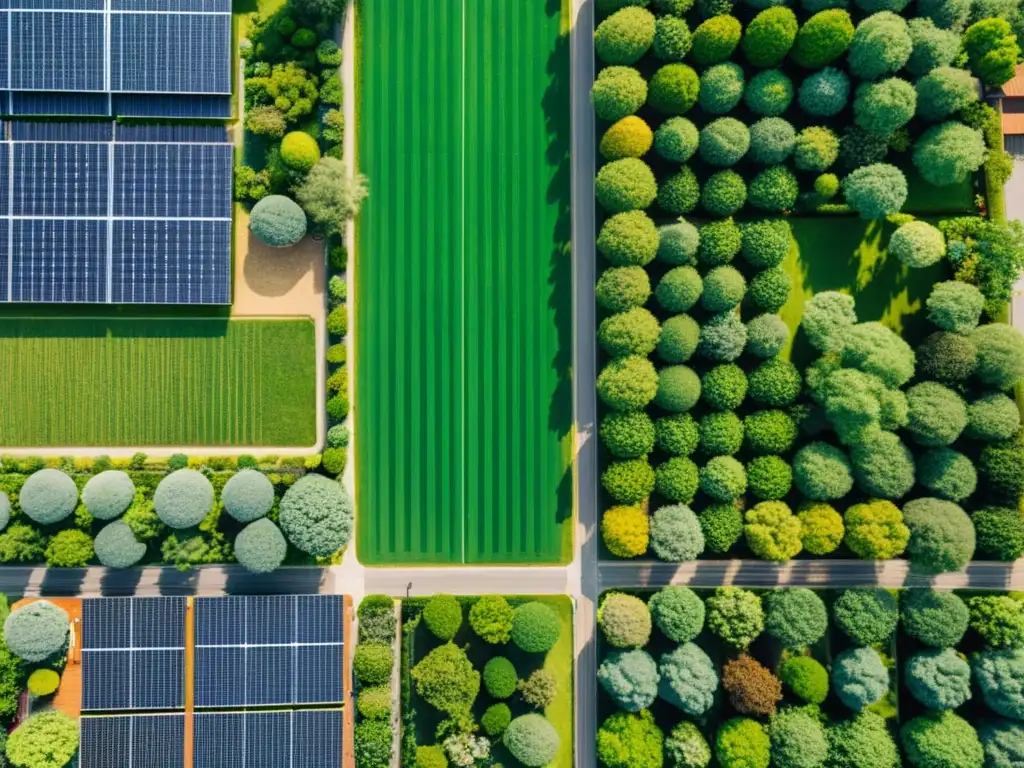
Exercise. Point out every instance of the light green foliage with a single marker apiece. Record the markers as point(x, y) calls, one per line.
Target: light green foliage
point(629, 137)
point(446, 680)
point(688, 679)
point(863, 742)
point(941, 535)
point(775, 382)
point(881, 45)
point(678, 242)
point(625, 185)
point(627, 435)
point(821, 528)
point(678, 389)
point(676, 535)
point(247, 495)
point(627, 384)
point(721, 88)
point(617, 92)
point(672, 38)
point(499, 677)
point(941, 740)
point(939, 678)
point(826, 185)
point(678, 194)
point(947, 474)
point(678, 612)
point(735, 615)
point(724, 288)
point(673, 89)
point(823, 38)
point(1000, 532)
point(827, 318)
point(998, 620)
point(625, 36)
point(49, 738)
point(628, 482)
point(876, 349)
point(686, 747)
point(884, 107)
point(628, 740)
point(722, 338)
point(742, 743)
point(724, 141)
point(774, 189)
point(798, 739)
point(765, 243)
point(630, 678)
point(947, 153)
point(531, 740)
point(633, 332)
point(108, 494)
point(723, 478)
point(183, 498)
point(676, 479)
point(288, 87)
point(724, 193)
point(769, 36)
point(117, 547)
point(679, 289)
point(715, 40)
point(876, 190)
point(679, 338)
point(69, 549)
point(933, 47)
point(937, 414)
point(676, 139)
point(724, 387)
point(772, 531)
point(992, 417)
point(816, 149)
point(37, 631)
point(795, 617)
point(992, 50)
point(943, 91)
point(628, 239)
point(917, 244)
point(1000, 354)
point(299, 151)
point(329, 196)
point(806, 677)
point(48, 496)
point(769, 93)
point(955, 306)
point(720, 241)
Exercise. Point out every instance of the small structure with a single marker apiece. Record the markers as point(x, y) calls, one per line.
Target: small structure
point(1012, 96)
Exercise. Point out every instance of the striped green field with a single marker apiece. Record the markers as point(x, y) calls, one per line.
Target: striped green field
point(158, 382)
point(463, 283)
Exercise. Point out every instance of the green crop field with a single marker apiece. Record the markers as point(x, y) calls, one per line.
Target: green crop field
point(147, 381)
point(463, 395)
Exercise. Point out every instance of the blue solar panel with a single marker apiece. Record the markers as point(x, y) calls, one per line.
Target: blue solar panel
point(22, 130)
point(173, 180)
point(57, 51)
point(270, 619)
point(292, 739)
point(59, 261)
point(170, 53)
point(59, 104)
point(158, 622)
point(319, 674)
point(321, 618)
point(220, 620)
point(219, 677)
point(204, 6)
point(104, 742)
point(106, 623)
point(106, 680)
point(54, 5)
point(140, 741)
point(205, 134)
point(64, 180)
point(268, 740)
point(316, 738)
point(192, 106)
point(158, 679)
point(218, 741)
point(269, 676)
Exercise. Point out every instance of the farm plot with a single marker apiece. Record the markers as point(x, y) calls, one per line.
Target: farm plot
point(463, 286)
point(159, 382)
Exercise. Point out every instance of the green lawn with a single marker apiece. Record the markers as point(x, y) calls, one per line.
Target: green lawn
point(157, 382)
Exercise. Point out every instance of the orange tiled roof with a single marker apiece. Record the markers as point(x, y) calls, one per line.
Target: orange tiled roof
point(1015, 86)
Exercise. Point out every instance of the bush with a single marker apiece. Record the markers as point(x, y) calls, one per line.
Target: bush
point(769, 477)
point(618, 92)
point(678, 389)
point(798, 739)
point(48, 738)
point(676, 480)
point(826, 320)
point(676, 139)
point(678, 612)
point(765, 243)
point(884, 107)
point(629, 137)
point(627, 435)
point(721, 434)
point(672, 39)
point(722, 338)
point(500, 677)
point(316, 515)
point(622, 288)
point(724, 193)
point(992, 50)
point(48, 496)
point(866, 616)
point(773, 189)
point(955, 306)
point(688, 679)
point(676, 535)
point(1003, 742)
point(1000, 355)
point(539, 689)
point(775, 382)
point(806, 678)
point(947, 474)
point(627, 384)
point(1000, 467)
point(769, 36)
point(628, 239)
point(372, 663)
point(625, 185)
point(938, 619)
point(998, 620)
point(715, 40)
point(826, 186)
point(875, 191)
point(43, 682)
point(491, 619)
point(628, 482)
point(442, 615)
point(823, 38)
point(277, 221)
point(628, 740)
point(724, 141)
point(933, 47)
point(723, 478)
point(766, 336)
point(431, 757)
point(863, 742)
point(771, 140)
point(720, 241)
point(742, 743)
point(678, 243)
point(735, 615)
point(624, 620)
point(496, 719)
point(633, 332)
point(625, 36)
point(752, 689)
point(999, 675)
point(724, 288)
point(821, 529)
point(531, 740)
point(69, 549)
point(299, 151)
point(724, 387)
point(1000, 532)
point(677, 434)
point(679, 338)
point(947, 357)
point(795, 617)
point(337, 437)
point(822, 472)
point(875, 530)
point(117, 547)
point(377, 619)
point(535, 627)
point(679, 193)
point(183, 498)
point(260, 547)
point(859, 677)
point(673, 89)
point(816, 149)
point(769, 93)
point(686, 747)
point(445, 679)
point(992, 417)
point(374, 703)
point(941, 535)
point(880, 46)
point(876, 349)
point(937, 414)
point(630, 678)
point(679, 289)
point(948, 153)
point(944, 91)
point(946, 14)
point(824, 93)
point(37, 631)
point(721, 88)
point(941, 740)
point(939, 678)
point(108, 494)
point(772, 532)
point(722, 525)
point(248, 495)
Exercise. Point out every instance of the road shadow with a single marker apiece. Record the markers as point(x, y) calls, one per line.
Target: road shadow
point(291, 581)
point(120, 582)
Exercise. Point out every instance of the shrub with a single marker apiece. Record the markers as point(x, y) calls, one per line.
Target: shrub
point(769, 36)
point(442, 615)
point(1000, 532)
point(826, 185)
point(873, 348)
point(722, 525)
point(539, 689)
point(937, 414)
point(531, 740)
point(1000, 356)
point(37, 631)
point(108, 494)
point(724, 387)
point(630, 678)
point(535, 627)
point(821, 529)
point(676, 139)
point(248, 495)
point(724, 193)
point(998, 620)
point(769, 93)
point(679, 289)
point(724, 141)
point(816, 149)
point(724, 288)
point(939, 678)
point(723, 478)
point(875, 530)
point(1003, 742)
point(629, 481)
point(866, 616)
point(826, 320)
point(715, 40)
point(859, 677)
point(992, 50)
point(944, 91)
point(795, 617)
point(992, 417)
point(618, 92)
point(721, 88)
point(721, 434)
point(374, 703)
point(686, 747)
point(822, 472)
point(941, 535)
point(43, 682)
point(625, 36)
point(773, 189)
point(629, 137)
point(495, 720)
point(628, 239)
point(772, 532)
point(775, 382)
point(948, 153)
point(933, 47)
point(765, 243)
point(622, 288)
point(625, 185)
point(48, 738)
point(69, 549)
point(688, 679)
point(722, 337)
point(299, 151)
point(947, 474)
point(798, 739)
point(372, 663)
point(947, 357)
point(679, 338)
point(880, 46)
point(884, 107)
point(938, 619)
point(628, 740)
point(941, 740)
point(500, 677)
point(752, 689)
point(678, 389)
point(767, 335)
point(771, 140)
point(627, 435)
point(316, 515)
point(673, 89)
point(769, 477)
point(676, 479)
point(742, 743)
point(337, 321)
point(955, 306)
point(676, 535)
point(823, 38)
point(998, 675)
point(278, 221)
point(863, 742)
point(430, 757)
point(1000, 468)
point(678, 242)
point(946, 14)
point(633, 332)
point(445, 679)
point(824, 93)
point(672, 39)
point(720, 241)
point(875, 191)
point(735, 615)
point(806, 678)
point(677, 434)
point(678, 612)
point(627, 384)
point(260, 547)
point(117, 547)
point(625, 531)
point(679, 193)
point(183, 498)
point(48, 496)
point(377, 619)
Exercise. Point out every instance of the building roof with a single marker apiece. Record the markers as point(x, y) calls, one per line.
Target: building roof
point(1014, 87)
point(1013, 124)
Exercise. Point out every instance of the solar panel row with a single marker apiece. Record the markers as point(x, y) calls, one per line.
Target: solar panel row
point(269, 619)
point(140, 741)
point(294, 739)
point(70, 104)
point(179, 6)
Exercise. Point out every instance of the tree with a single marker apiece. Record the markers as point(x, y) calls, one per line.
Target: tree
point(372, 743)
point(318, 10)
point(806, 677)
point(917, 244)
point(625, 620)
point(742, 743)
point(678, 612)
point(629, 137)
point(866, 616)
point(1000, 354)
point(266, 120)
point(1003, 742)
point(769, 36)
point(955, 306)
point(535, 627)
point(377, 619)
point(998, 620)
point(287, 84)
point(117, 547)
point(752, 689)
point(108, 494)
point(625, 36)
point(795, 617)
point(491, 619)
point(941, 739)
point(49, 738)
point(948, 153)
point(859, 677)
point(442, 615)
point(876, 190)
point(937, 619)
point(688, 679)
point(539, 689)
point(881, 45)
point(446, 680)
point(625, 531)
point(992, 50)
point(676, 535)
point(715, 39)
point(686, 747)
point(822, 472)
point(316, 515)
point(939, 678)
point(299, 151)
point(772, 531)
point(943, 92)
point(628, 239)
point(37, 631)
point(673, 89)
point(494, 721)
point(630, 678)
point(618, 92)
point(937, 414)
point(260, 547)
point(372, 663)
point(277, 221)
point(248, 495)
point(69, 549)
point(883, 466)
point(500, 677)
point(821, 528)
point(329, 196)
point(798, 739)
point(628, 384)
point(941, 535)
point(630, 740)
point(735, 615)
point(48, 496)
point(863, 742)
point(883, 107)
point(823, 38)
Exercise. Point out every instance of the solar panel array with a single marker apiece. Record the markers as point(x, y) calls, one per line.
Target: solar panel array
point(132, 741)
point(133, 653)
point(269, 650)
point(113, 47)
point(97, 213)
point(292, 739)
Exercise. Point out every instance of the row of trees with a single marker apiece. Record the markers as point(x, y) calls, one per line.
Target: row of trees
point(372, 667)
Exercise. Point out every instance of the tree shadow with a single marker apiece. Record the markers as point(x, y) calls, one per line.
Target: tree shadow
point(274, 272)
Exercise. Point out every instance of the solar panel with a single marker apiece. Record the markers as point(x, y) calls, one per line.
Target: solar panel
point(54, 5)
point(158, 622)
point(289, 739)
point(319, 674)
point(104, 741)
point(170, 53)
point(316, 738)
point(194, 106)
point(218, 741)
point(56, 104)
point(321, 618)
point(106, 623)
point(46, 131)
point(139, 741)
point(268, 739)
point(158, 679)
point(179, 6)
point(106, 680)
point(129, 132)
point(57, 51)
point(219, 676)
point(172, 180)
point(58, 261)
point(66, 180)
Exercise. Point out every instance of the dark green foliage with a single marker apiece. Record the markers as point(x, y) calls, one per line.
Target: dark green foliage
point(721, 88)
point(795, 617)
point(948, 153)
point(946, 14)
point(769, 93)
point(935, 618)
point(883, 466)
point(883, 107)
point(1003, 742)
point(824, 93)
point(947, 474)
point(183, 498)
point(943, 92)
point(806, 678)
point(999, 532)
point(863, 742)
point(867, 616)
point(627, 435)
point(677, 434)
point(500, 677)
point(724, 387)
point(798, 739)
point(774, 189)
point(765, 243)
point(724, 141)
point(941, 535)
point(775, 382)
point(535, 627)
point(933, 47)
point(769, 432)
point(676, 139)
point(679, 193)
point(721, 434)
point(947, 357)
point(316, 515)
point(769, 290)
point(937, 414)
point(724, 193)
point(771, 140)
point(678, 612)
point(446, 680)
point(720, 241)
point(722, 526)
point(247, 495)
point(858, 148)
point(676, 479)
point(880, 46)
point(372, 743)
point(769, 477)
point(941, 740)
point(372, 663)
